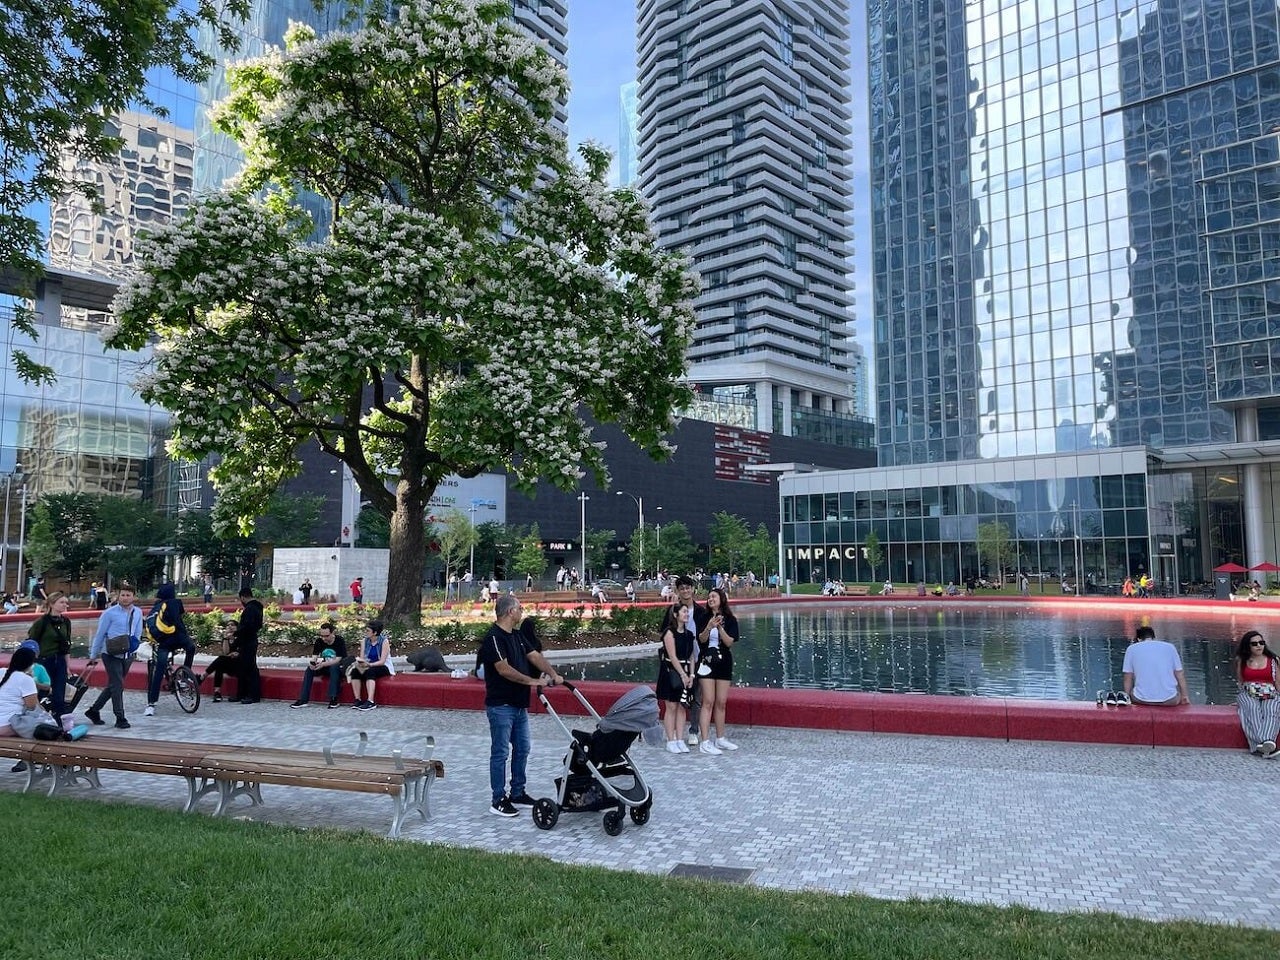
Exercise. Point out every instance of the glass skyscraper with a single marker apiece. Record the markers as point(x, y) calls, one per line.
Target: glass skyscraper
point(1076, 214)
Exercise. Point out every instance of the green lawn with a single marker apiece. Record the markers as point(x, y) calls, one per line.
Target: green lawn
point(88, 879)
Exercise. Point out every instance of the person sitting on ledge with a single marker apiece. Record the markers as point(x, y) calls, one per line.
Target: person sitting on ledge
point(1258, 700)
point(1153, 671)
point(887, 589)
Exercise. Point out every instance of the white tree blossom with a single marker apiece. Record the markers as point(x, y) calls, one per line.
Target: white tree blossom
point(414, 339)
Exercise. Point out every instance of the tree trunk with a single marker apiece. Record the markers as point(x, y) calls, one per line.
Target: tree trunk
point(408, 556)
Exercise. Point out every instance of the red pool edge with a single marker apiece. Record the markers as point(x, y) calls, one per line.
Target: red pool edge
point(915, 714)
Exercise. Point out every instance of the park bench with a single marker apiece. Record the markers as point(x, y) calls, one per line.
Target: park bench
point(232, 771)
point(857, 590)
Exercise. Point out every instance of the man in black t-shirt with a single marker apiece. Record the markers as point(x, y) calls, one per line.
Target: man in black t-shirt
point(327, 654)
point(512, 665)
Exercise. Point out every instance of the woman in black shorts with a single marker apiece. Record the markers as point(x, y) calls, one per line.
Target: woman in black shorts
point(372, 665)
point(675, 674)
point(715, 671)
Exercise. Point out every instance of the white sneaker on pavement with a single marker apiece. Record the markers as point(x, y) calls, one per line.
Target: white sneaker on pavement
point(150, 711)
point(673, 746)
point(724, 743)
point(707, 747)
point(682, 746)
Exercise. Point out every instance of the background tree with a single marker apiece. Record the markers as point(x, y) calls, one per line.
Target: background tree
point(529, 559)
point(455, 535)
point(449, 344)
point(130, 529)
point(72, 521)
point(599, 556)
point(994, 547)
point(730, 541)
point(373, 529)
point(66, 69)
point(872, 552)
point(223, 559)
point(642, 552)
point(677, 553)
point(42, 548)
point(760, 553)
point(290, 519)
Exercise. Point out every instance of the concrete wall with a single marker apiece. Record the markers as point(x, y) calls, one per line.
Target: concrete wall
point(331, 570)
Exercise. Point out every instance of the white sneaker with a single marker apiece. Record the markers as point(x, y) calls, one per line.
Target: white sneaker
point(682, 747)
point(673, 746)
point(150, 711)
point(691, 740)
point(706, 746)
point(724, 743)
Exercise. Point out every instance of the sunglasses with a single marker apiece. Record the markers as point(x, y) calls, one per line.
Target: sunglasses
point(1257, 643)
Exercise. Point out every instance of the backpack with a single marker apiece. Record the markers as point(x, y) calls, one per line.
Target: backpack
point(154, 627)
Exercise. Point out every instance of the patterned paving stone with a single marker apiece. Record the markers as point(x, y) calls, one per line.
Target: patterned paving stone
point(1147, 833)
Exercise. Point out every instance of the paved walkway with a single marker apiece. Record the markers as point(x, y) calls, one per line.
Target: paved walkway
point(1147, 833)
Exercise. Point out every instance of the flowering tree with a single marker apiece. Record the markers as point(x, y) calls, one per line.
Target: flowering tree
point(476, 292)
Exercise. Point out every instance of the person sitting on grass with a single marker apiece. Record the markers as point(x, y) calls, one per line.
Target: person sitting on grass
point(1153, 671)
point(372, 665)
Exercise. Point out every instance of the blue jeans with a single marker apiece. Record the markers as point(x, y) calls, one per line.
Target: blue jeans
point(160, 662)
point(57, 668)
point(508, 730)
point(335, 679)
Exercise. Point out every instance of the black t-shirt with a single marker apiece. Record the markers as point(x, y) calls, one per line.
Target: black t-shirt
point(513, 648)
point(334, 643)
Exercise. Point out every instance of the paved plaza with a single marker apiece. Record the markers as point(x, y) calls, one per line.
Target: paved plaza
point(1160, 834)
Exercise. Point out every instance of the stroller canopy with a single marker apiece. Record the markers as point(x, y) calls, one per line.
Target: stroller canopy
point(635, 711)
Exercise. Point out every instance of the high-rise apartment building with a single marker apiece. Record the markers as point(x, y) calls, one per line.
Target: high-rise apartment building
point(1077, 288)
point(744, 128)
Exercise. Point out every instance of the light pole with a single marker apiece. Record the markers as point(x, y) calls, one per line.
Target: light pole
point(582, 499)
point(350, 505)
point(640, 505)
point(476, 504)
point(22, 533)
point(4, 561)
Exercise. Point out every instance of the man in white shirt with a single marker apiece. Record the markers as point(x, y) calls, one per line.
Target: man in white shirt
point(1153, 671)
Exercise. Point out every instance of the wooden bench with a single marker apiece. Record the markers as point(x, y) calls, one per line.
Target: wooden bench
point(231, 771)
point(857, 590)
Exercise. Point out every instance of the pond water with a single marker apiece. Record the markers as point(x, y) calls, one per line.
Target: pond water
point(963, 649)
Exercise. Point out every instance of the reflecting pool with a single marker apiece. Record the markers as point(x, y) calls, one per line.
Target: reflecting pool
point(964, 649)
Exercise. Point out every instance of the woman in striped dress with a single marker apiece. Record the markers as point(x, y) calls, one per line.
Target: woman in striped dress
point(1258, 699)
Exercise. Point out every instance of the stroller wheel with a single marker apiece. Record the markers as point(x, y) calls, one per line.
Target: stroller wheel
point(613, 822)
point(640, 814)
point(545, 813)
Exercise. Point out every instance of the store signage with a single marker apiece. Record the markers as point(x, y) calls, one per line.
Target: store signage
point(557, 546)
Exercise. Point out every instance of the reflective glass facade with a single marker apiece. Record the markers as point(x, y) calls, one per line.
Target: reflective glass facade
point(1042, 262)
point(1097, 516)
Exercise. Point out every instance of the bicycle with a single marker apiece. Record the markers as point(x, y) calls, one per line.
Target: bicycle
point(180, 680)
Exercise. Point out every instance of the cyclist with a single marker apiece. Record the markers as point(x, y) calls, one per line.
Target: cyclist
point(168, 635)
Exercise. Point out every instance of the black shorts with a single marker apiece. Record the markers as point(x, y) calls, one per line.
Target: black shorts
point(368, 673)
point(721, 666)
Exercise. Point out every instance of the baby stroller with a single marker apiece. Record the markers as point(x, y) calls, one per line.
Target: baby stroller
point(598, 774)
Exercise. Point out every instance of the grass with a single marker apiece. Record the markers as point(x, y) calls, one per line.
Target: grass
point(90, 879)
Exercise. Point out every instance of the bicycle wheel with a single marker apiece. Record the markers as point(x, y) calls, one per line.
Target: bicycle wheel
point(186, 690)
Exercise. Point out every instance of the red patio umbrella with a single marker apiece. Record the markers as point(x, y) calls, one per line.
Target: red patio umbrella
point(1267, 567)
point(1230, 568)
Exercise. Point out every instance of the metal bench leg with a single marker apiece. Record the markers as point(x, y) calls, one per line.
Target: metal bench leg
point(195, 794)
point(228, 790)
point(399, 799)
point(35, 773)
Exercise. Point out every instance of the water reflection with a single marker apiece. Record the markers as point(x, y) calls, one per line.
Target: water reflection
point(963, 649)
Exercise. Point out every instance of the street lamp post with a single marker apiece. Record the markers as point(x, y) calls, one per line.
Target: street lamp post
point(640, 506)
point(4, 561)
point(582, 499)
point(22, 534)
point(476, 504)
